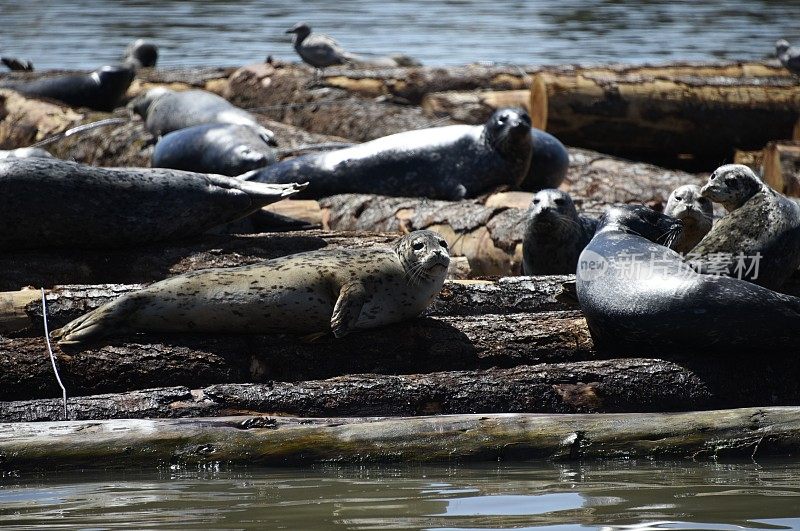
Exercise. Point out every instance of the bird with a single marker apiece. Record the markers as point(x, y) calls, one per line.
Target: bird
point(317, 49)
point(788, 56)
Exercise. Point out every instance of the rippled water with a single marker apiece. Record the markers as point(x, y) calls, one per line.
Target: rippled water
point(86, 33)
point(616, 495)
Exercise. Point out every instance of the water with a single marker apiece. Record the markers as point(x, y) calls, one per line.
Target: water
point(615, 495)
point(88, 33)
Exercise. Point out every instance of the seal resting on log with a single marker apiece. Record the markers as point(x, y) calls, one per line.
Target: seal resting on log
point(55, 203)
point(759, 239)
point(452, 162)
point(309, 293)
point(640, 296)
point(695, 211)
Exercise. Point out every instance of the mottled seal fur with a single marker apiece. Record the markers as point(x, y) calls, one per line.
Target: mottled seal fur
point(695, 211)
point(760, 221)
point(451, 162)
point(549, 162)
point(24, 153)
point(226, 149)
point(164, 110)
point(50, 203)
point(555, 234)
point(329, 290)
point(640, 296)
point(101, 90)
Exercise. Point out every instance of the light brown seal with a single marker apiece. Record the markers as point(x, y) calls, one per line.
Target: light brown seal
point(695, 211)
point(336, 290)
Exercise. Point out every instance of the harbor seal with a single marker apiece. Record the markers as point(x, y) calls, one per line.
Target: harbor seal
point(640, 296)
point(549, 162)
point(164, 110)
point(52, 203)
point(24, 153)
point(451, 162)
point(101, 90)
point(141, 54)
point(759, 239)
point(555, 234)
point(695, 211)
point(329, 290)
point(225, 149)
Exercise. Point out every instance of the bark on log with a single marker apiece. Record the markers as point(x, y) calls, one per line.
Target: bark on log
point(751, 432)
point(781, 167)
point(645, 116)
point(626, 385)
point(474, 107)
point(24, 121)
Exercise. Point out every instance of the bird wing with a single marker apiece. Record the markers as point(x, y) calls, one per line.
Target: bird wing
point(322, 50)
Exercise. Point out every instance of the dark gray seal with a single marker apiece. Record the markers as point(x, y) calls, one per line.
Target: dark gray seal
point(50, 203)
point(164, 110)
point(451, 162)
point(225, 149)
point(695, 211)
point(316, 49)
point(101, 90)
point(759, 239)
point(555, 234)
point(24, 153)
point(330, 290)
point(788, 56)
point(639, 296)
point(141, 54)
point(549, 162)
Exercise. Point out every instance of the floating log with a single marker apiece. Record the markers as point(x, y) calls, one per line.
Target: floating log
point(781, 167)
point(257, 440)
point(643, 116)
point(622, 385)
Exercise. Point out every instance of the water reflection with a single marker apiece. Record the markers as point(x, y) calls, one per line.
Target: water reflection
point(616, 495)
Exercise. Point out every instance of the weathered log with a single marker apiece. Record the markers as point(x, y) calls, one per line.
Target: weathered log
point(751, 432)
point(644, 116)
point(473, 107)
point(24, 121)
point(781, 167)
point(622, 385)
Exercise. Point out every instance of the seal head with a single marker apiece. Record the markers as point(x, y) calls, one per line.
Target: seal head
point(641, 221)
point(732, 185)
point(424, 255)
point(695, 211)
point(506, 129)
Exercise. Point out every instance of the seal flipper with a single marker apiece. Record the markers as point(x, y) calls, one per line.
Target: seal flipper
point(106, 320)
point(351, 299)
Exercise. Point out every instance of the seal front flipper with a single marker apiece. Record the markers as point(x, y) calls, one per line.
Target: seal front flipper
point(351, 299)
point(105, 320)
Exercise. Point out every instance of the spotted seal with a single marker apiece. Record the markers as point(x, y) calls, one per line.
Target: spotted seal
point(101, 90)
point(49, 203)
point(226, 149)
point(329, 290)
point(759, 239)
point(640, 296)
point(695, 211)
point(555, 234)
point(451, 162)
point(164, 110)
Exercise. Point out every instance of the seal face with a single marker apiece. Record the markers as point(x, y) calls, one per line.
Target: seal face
point(141, 53)
point(759, 240)
point(695, 211)
point(329, 290)
point(49, 203)
point(224, 149)
point(640, 296)
point(451, 162)
point(555, 234)
point(102, 90)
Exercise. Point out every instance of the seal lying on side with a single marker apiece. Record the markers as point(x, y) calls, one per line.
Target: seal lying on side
point(164, 111)
point(549, 162)
point(555, 235)
point(642, 297)
point(451, 162)
point(54, 203)
point(696, 213)
point(335, 290)
point(102, 90)
point(225, 149)
point(24, 153)
point(759, 240)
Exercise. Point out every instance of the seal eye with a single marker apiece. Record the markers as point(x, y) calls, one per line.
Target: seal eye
point(536, 201)
point(443, 244)
point(417, 246)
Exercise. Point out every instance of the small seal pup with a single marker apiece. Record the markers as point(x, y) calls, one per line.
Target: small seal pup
point(141, 54)
point(24, 153)
point(52, 203)
point(555, 234)
point(451, 162)
point(640, 296)
point(329, 290)
point(225, 149)
point(695, 211)
point(788, 56)
point(759, 239)
point(101, 90)
point(164, 110)
point(316, 49)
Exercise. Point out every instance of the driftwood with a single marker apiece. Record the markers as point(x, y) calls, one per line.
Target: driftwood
point(643, 116)
point(475, 107)
point(781, 166)
point(752, 432)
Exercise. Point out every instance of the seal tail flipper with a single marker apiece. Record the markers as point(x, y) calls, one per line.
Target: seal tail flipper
point(262, 194)
point(105, 320)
